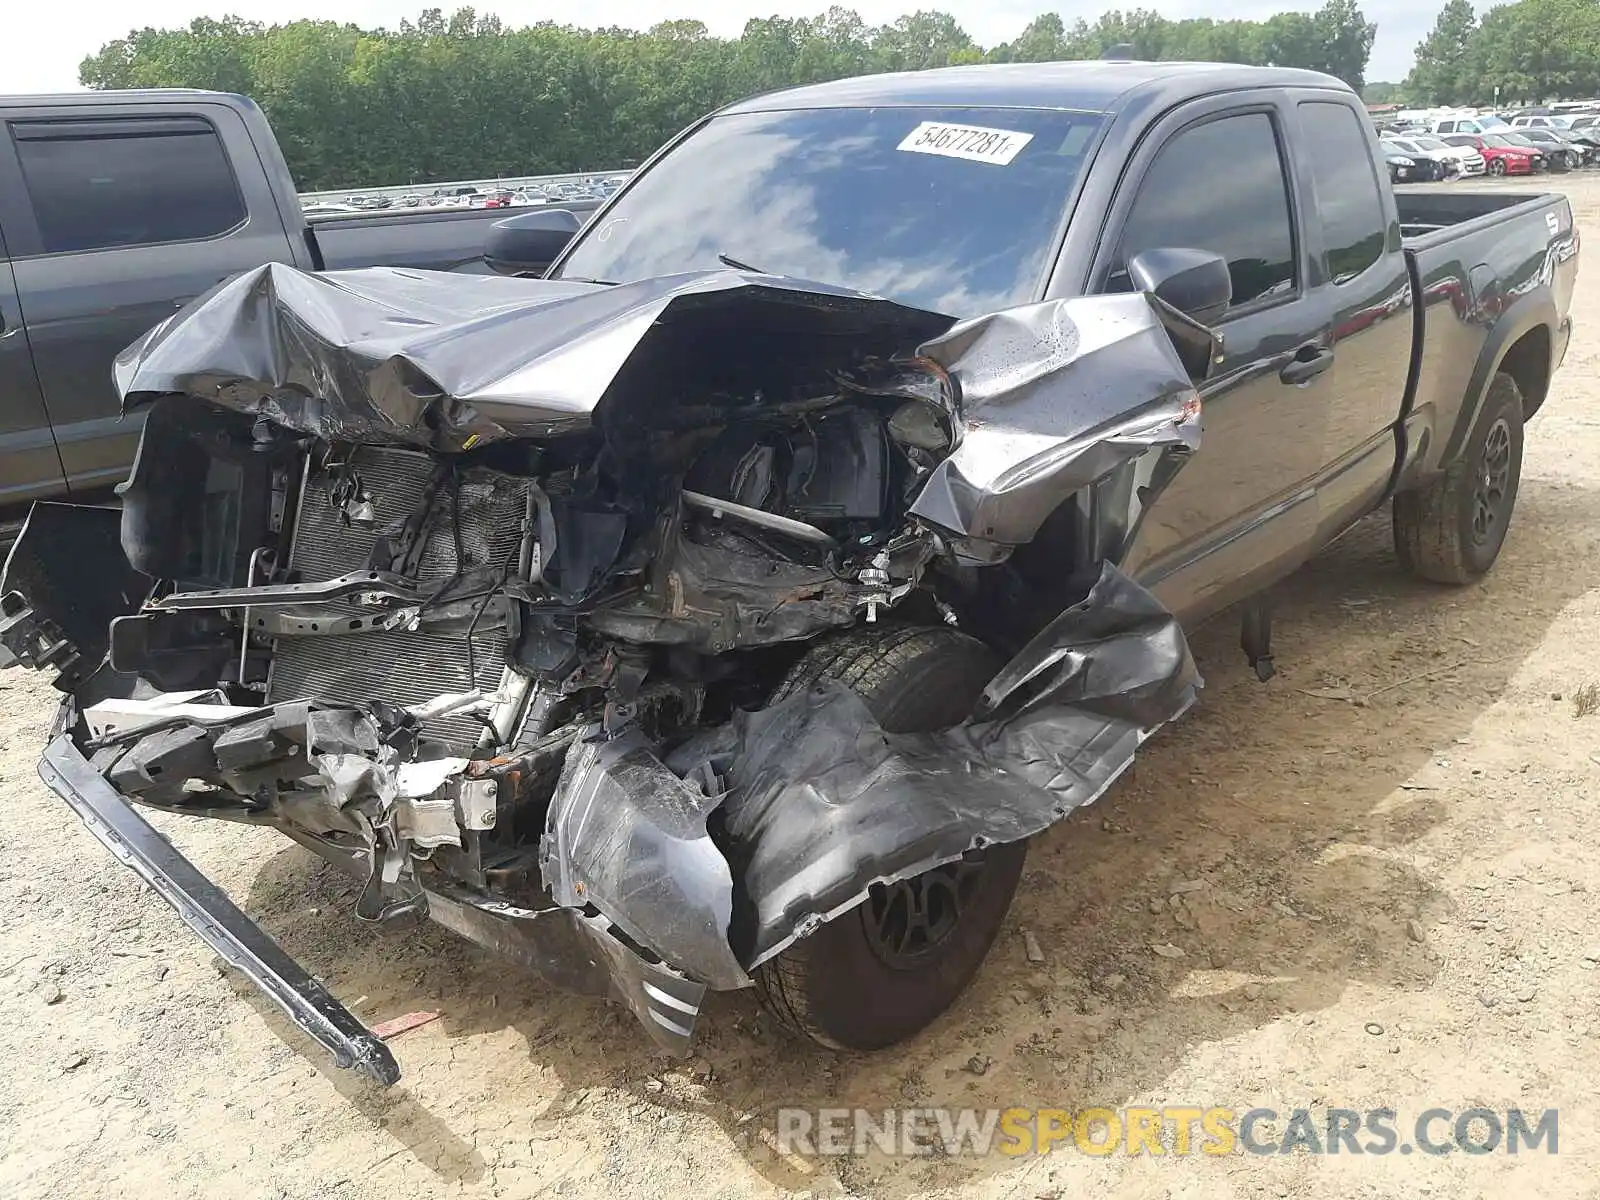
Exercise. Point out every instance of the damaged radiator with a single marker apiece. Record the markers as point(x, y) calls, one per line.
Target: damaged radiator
point(399, 666)
point(489, 520)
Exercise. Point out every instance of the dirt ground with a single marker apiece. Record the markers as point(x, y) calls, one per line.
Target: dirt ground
point(1391, 909)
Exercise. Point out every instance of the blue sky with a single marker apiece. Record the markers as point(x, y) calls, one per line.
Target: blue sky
point(42, 47)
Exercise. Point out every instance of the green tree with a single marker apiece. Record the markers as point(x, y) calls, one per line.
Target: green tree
point(1444, 72)
point(1536, 50)
point(459, 95)
point(919, 41)
point(1043, 40)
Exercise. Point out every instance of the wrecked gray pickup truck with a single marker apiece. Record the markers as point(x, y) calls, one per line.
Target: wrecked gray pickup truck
point(665, 624)
point(640, 665)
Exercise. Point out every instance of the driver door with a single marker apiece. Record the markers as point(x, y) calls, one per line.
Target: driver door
point(1242, 512)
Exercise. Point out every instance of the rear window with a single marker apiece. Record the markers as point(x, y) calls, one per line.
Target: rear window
point(99, 184)
point(954, 210)
point(1349, 201)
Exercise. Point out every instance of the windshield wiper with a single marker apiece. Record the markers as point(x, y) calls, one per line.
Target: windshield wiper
point(728, 260)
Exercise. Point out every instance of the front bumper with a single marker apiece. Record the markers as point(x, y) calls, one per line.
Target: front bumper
point(568, 949)
point(205, 909)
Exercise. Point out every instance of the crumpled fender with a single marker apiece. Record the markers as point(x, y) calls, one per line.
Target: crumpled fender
point(821, 803)
point(1045, 408)
point(824, 804)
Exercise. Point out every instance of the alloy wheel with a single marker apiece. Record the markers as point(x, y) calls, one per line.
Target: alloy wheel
point(1494, 474)
point(906, 920)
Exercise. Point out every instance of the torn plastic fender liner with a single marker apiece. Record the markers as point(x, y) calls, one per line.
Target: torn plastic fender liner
point(1054, 396)
point(627, 836)
point(823, 803)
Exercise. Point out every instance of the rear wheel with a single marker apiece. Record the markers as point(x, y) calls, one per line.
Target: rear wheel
point(1452, 530)
point(887, 968)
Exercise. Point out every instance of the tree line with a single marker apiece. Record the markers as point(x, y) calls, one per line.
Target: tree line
point(463, 96)
point(1527, 51)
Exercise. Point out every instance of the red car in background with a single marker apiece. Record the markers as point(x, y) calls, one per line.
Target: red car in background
point(1500, 157)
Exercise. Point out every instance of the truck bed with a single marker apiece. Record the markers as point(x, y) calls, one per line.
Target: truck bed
point(1429, 216)
point(1492, 275)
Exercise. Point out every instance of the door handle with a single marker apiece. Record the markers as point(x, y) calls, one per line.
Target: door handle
point(1306, 365)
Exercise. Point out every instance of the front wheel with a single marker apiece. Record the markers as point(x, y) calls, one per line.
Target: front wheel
point(883, 971)
point(1452, 530)
point(1497, 166)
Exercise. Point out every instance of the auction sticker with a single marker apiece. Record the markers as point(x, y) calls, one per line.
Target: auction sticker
point(972, 142)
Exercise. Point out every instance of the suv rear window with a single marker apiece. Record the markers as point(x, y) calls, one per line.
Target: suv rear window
point(99, 184)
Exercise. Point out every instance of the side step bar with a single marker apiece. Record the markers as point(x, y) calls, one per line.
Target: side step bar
point(206, 910)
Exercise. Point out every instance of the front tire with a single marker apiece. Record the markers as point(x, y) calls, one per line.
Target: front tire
point(1497, 166)
point(1452, 530)
point(889, 967)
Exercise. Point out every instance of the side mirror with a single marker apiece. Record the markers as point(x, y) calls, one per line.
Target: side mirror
point(529, 242)
point(1195, 282)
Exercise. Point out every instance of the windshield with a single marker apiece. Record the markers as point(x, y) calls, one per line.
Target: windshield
point(1431, 144)
point(1500, 142)
point(953, 210)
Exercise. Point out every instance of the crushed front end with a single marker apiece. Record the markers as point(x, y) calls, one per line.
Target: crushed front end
point(480, 588)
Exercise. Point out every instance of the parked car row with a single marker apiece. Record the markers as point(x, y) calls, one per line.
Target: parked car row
point(1423, 158)
point(1512, 143)
point(592, 187)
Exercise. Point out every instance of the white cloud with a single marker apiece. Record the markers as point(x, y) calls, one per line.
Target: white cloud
point(43, 45)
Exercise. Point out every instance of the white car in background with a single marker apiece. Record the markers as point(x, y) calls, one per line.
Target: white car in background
point(1541, 121)
point(1460, 124)
point(1468, 161)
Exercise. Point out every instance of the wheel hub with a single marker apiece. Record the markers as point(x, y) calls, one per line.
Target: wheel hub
point(1494, 475)
point(905, 921)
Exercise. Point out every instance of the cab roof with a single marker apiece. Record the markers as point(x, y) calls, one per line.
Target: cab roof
point(1085, 86)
